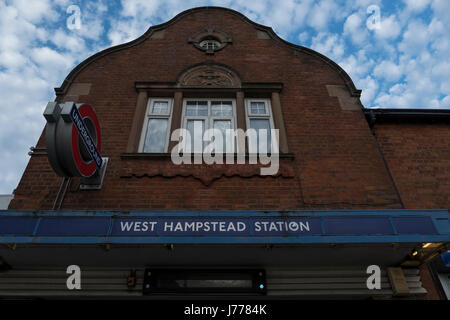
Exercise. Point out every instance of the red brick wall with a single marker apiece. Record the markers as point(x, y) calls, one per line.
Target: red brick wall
point(418, 155)
point(336, 165)
point(428, 284)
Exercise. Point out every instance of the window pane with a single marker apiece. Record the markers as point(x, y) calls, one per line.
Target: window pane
point(258, 108)
point(221, 108)
point(210, 44)
point(197, 108)
point(258, 125)
point(155, 139)
point(160, 107)
point(223, 125)
point(196, 129)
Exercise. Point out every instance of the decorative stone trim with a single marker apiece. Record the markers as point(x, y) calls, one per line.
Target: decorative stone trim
point(248, 87)
point(209, 75)
point(346, 101)
point(207, 174)
point(210, 34)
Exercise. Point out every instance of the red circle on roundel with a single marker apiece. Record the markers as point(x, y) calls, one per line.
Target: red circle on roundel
point(86, 169)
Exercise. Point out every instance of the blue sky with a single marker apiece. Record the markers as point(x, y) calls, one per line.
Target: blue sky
point(401, 59)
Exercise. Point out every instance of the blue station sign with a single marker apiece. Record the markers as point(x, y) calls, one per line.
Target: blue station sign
point(225, 226)
point(222, 226)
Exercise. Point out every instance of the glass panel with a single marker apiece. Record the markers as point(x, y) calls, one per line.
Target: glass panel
point(204, 283)
point(223, 283)
point(197, 108)
point(223, 125)
point(221, 108)
point(196, 129)
point(210, 44)
point(260, 124)
point(155, 139)
point(258, 108)
point(160, 107)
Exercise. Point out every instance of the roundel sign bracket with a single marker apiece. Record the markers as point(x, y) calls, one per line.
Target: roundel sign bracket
point(74, 142)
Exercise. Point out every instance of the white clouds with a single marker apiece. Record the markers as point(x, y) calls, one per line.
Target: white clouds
point(36, 53)
point(93, 16)
point(441, 69)
point(445, 103)
point(404, 63)
point(139, 7)
point(398, 96)
point(68, 41)
point(441, 9)
point(125, 31)
point(416, 5)
point(357, 65)
point(35, 10)
point(12, 59)
point(422, 86)
point(330, 45)
point(398, 88)
point(415, 38)
point(355, 27)
point(281, 16)
point(353, 23)
point(370, 86)
point(322, 14)
point(389, 28)
point(365, 3)
point(388, 70)
point(302, 37)
point(436, 27)
point(423, 65)
point(135, 18)
point(20, 119)
point(47, 58)
point(15, 32)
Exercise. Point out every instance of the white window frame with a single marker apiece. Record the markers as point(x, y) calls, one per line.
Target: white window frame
point(267, 116)
point(150, 115)
point(209, 119)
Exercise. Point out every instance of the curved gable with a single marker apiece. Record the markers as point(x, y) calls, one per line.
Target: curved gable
point(155, 32)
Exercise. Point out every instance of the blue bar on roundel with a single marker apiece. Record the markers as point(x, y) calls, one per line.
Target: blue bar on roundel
point(85, 136)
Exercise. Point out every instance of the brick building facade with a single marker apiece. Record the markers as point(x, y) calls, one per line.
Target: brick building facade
point(334, 154)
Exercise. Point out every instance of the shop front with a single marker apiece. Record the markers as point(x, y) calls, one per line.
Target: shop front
point(295, 254)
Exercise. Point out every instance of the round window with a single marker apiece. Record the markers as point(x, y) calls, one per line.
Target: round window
point(210, 44)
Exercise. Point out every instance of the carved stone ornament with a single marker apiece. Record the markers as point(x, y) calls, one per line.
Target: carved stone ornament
point(209, 76)
point(207, 174)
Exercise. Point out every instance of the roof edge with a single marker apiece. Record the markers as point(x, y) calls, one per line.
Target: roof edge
point(75, 71)
point(406, 115)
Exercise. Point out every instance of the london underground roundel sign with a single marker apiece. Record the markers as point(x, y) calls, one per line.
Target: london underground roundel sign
point(73, 139)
